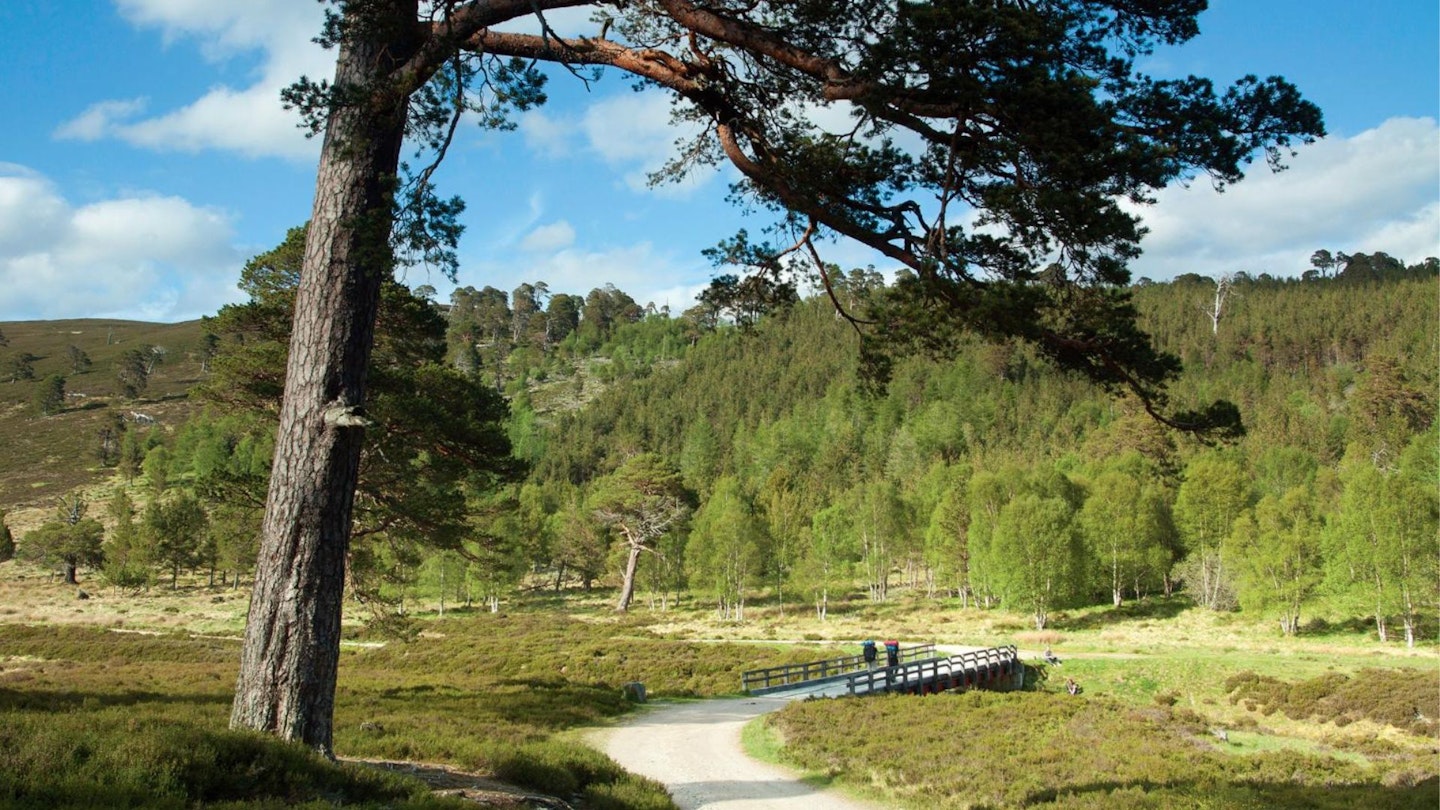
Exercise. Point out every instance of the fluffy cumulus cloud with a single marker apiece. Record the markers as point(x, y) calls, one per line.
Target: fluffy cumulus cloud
point(142, 257)
point(555, 236)
point(630, 133)
point(1375, 191)
point(647, 273)
point(248, 120)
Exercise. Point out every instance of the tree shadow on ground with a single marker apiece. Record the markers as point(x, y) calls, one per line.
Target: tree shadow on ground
point(461, 784)
point(1142, 610)
point(32, 700)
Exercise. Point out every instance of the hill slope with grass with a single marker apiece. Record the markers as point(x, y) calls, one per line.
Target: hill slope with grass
point(48, 456)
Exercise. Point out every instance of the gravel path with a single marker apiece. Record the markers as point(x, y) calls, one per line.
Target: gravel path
point(694, 750)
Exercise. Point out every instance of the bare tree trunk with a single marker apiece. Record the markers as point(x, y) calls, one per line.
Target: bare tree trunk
point(1117, 590)
point(1409, 617)
point(288, 665)
point(627, 586)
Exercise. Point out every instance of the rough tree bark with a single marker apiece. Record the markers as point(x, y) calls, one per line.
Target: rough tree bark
point(288, 665)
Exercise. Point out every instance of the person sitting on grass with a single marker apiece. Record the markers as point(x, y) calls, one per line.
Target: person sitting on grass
point(1051, 658)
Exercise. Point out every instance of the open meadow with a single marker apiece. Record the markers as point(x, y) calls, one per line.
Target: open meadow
point(122, 701)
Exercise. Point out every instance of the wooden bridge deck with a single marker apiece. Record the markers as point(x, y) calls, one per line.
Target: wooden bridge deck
point(783, 678)
point(920, 672)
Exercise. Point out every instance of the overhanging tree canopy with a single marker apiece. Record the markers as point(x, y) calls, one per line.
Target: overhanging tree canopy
point(990, 146)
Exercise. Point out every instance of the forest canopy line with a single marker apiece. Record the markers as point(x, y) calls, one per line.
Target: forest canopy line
point(771, 470)
point(1031, 115)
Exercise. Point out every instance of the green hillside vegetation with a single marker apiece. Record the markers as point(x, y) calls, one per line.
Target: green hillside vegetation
point(987, 477)
point(49, 455)
point(923, 489)
point(1249, 586)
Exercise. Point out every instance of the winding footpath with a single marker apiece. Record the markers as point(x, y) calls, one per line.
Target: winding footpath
point(694, 750)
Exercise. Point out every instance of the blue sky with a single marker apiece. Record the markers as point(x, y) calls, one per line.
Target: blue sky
point(145, 156)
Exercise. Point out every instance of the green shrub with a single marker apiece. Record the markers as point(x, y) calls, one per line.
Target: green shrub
point(1045, 749)
point(1403, 698)
point(105, 759)
point(565, 770)
point(630, 793)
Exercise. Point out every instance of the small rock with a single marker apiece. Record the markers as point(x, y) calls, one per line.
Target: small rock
point(81, 595)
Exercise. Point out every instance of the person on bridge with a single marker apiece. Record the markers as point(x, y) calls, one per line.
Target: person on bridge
point(892, 653)
point(867, 648)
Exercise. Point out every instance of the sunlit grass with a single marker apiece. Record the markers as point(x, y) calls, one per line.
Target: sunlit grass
point(1252, 742)
point(487, 693)
point(1045, 749)
point(502, 695)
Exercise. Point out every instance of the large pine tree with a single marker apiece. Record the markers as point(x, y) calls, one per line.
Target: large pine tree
point(1031, 112)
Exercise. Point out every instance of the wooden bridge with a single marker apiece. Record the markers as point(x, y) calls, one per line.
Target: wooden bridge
point(919, 672)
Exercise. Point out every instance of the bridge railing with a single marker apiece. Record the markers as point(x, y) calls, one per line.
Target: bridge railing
point(988, 667)
point(770, 678)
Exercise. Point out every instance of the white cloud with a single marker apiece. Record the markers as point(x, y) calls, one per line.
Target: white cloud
point(547, 238)
point(1373, 192)
point(141, 257)
point(249, 120)
point(629, 128)
point(567, 22)
point(100, 119)
point(31, 216)
point(225, 27)
point(647, 274)
point(547, 134)
point(633, 133)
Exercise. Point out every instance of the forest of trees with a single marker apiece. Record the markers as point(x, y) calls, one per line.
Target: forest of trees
point(728, 457)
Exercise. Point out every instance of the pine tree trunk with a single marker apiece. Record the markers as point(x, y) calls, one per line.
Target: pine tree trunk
point(288, 665)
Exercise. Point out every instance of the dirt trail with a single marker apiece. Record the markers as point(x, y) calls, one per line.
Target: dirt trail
point(694, 749)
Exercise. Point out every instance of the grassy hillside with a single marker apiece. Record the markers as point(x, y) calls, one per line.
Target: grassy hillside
point(46, 456)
